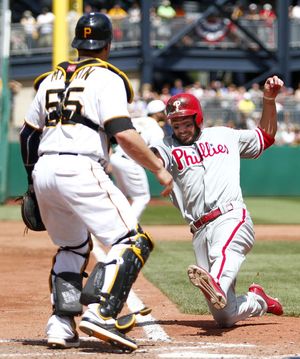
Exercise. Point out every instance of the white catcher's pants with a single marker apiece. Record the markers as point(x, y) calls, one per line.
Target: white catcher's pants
point(76, 196)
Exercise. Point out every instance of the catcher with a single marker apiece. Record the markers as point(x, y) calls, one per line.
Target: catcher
point(78, 108)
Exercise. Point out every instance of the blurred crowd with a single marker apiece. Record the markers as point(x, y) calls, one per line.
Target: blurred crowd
point(231, 105)
point(166, 18)
point(228, 105)
point(38, 27)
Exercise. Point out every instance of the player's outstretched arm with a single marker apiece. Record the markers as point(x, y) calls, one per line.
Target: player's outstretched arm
point(136, 148)
point(268, 120)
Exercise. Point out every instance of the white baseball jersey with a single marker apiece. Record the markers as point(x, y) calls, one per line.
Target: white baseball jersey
point(149, 130)
point(99, 94)
point(75, 195)
point(207, 173)
point(130, 177)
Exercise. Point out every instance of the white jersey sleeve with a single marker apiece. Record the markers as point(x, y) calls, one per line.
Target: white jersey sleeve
point(251, 143)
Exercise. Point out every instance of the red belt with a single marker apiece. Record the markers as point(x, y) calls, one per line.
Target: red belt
point(211, 216)
point(207, 218)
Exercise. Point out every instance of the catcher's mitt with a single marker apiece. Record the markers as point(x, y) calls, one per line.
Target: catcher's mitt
point(30, 212)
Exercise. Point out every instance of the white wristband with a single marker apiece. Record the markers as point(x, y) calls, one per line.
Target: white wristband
point(269, 98)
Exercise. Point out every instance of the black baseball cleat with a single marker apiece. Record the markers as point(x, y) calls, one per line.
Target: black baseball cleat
point(108, 333)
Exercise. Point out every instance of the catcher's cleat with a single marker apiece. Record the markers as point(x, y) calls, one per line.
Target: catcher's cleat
point(108, 333)
point(60, 343)
point(273, 304)
point(201, 279)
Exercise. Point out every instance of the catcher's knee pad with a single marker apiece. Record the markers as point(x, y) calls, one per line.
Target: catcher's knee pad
point(66, 286)
point(110, 286)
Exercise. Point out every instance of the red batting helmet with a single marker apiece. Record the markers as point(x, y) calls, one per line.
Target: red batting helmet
point(182, 105)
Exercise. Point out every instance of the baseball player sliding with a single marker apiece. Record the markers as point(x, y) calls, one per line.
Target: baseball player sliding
point(205, 165)
point(130, 177)
point(77, 109)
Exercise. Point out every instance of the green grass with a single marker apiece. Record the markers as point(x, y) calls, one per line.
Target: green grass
point(10, 212)
point(263, 210)
point(162, 215)
point(274, 210)
point(274, 265)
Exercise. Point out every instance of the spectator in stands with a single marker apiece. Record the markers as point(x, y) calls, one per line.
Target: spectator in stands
point(297, 93)
point(256, 93)
point(197, 90)
point(267, 13)
point(117, 15)
point(180, 12)
point(117, 12)
point(137, 108)
point(285, 133)
point(237, 12)
point(232, 92)
point(165, 93)
point(30, 28)
point(134, 13)
point(252, 13)
point(295, 11)
point(147, 92)
point(177, 88)
point(246, 105)
point(165, 10)
point(45, 28)
point(134, 19)
point(87, 8)
point(246, 108)
point(297, 135)
point(15, 87)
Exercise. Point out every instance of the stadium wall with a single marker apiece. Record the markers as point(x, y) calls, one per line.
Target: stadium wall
point(275, 173)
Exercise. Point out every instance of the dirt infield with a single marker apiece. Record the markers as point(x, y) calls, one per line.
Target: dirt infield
point(25, 263)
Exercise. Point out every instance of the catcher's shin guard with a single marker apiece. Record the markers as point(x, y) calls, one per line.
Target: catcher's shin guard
point(66, 286)
point(117, 276)
point(91, 293)
point(66, 290)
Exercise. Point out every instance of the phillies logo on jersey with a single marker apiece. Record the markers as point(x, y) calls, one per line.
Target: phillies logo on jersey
point(191, 156)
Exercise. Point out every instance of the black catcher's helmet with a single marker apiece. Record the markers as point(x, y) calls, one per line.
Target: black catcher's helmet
point(93, 32)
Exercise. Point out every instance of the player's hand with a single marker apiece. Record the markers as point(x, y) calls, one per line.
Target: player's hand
point(166, 180)
point(272, 87)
